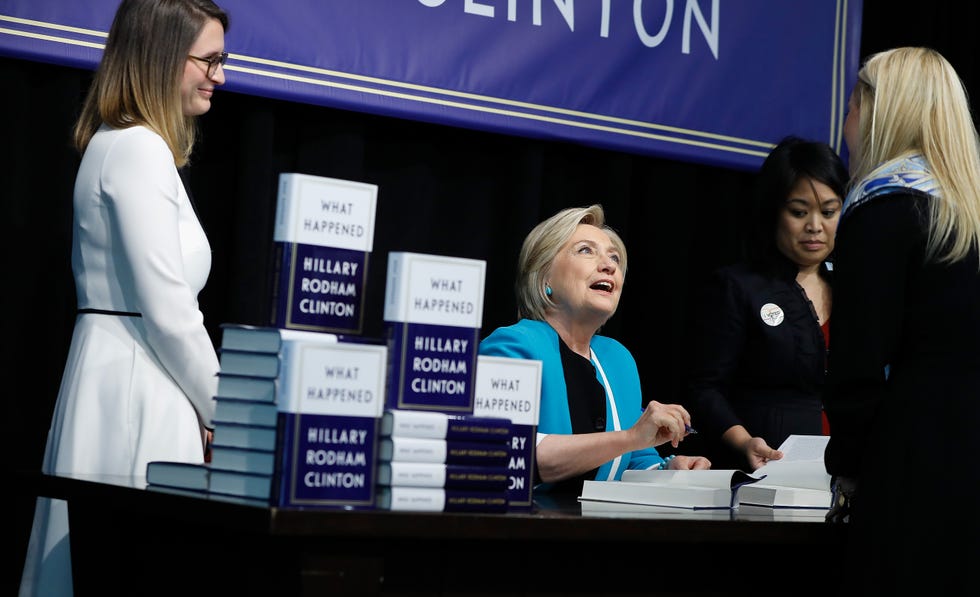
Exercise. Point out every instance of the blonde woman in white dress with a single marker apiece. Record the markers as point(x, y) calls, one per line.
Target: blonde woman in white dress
point(140, 377)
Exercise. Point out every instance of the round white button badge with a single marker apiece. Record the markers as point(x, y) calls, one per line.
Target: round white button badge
point(772, 314)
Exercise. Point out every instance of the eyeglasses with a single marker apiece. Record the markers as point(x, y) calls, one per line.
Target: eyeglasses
point(213, 62)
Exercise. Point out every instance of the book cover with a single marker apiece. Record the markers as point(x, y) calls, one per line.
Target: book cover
point(238, 435)
point(439, 425)
point(433, 312)
point(436, 474)
point(323, 237)
point(424, 449)
point(679, 489)
point(245, 412)
point(509, 387)
point(180, 475)
point(438, 499)
point(331, 403)
point(254, 338)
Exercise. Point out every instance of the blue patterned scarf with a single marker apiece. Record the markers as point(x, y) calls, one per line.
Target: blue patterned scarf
point(910, 172)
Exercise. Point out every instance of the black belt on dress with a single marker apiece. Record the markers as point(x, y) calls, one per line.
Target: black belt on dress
point(107, 312)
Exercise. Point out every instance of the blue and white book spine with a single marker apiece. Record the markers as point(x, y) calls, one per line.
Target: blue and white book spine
point(433, 313)
point(331, 401)
point(439, 499)
point(437, 474)
point(509, 387)
point(324, 234)
point(439, 425)
point(447, 451)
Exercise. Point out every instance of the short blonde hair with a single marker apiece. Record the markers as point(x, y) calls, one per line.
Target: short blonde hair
point(913, 102)
point(540, 248)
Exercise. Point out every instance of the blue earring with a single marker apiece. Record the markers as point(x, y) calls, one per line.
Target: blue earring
point(547, 290)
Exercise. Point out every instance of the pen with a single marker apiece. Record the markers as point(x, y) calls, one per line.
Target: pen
point(689, 430)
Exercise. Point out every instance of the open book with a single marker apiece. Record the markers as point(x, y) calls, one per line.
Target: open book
point(673, 489)
point(798, 480)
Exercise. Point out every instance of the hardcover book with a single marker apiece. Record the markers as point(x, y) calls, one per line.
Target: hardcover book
point(178, 475)
point(424, 449)
point(201, 494)
point(433, 312)
point(677, 489)
point(250, 359)
point(253, 364)
point(243, 459)
point(237, 435)
point(245, 412)
point(798, 480)
point(253, 338)
point(509, 387)
point(438, 425)
point(245, 387)
point(241, 484)
point(435, 474)
point(621, 510)
point(324, 234)
point(438, 499)
point(331, 402)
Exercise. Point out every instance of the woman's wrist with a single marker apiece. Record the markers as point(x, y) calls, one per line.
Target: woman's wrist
point(665, 465)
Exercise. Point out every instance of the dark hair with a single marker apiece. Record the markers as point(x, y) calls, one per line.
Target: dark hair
point(792, 159)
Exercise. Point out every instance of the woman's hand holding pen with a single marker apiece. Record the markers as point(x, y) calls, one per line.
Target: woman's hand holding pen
point(662, 423)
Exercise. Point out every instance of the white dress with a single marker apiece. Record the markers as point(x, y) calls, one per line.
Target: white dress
point(134, 389)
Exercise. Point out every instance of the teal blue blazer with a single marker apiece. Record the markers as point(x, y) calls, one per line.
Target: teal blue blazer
point(531, 339)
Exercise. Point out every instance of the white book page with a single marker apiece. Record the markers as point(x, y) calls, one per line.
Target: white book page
point(801, 465)
point(685, 478)
point(803, 448)
point(808, 474)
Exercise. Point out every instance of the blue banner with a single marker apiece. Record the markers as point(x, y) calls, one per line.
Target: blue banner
point(711, 81)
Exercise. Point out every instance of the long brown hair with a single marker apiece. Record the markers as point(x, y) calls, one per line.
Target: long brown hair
point(138, 79)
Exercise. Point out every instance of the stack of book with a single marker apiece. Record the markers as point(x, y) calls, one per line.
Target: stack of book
point(432, 315)
point(324, 234)
point(511, 388)
point(440, 462)
point(295, 422)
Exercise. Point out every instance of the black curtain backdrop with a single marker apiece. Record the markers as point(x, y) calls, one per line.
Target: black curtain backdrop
point(442, 190)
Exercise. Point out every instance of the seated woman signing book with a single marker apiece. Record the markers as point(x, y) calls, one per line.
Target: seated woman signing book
point(593, 424)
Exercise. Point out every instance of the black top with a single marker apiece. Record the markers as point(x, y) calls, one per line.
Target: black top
point(586, 407)
point(908, 436)
point(758, 358)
